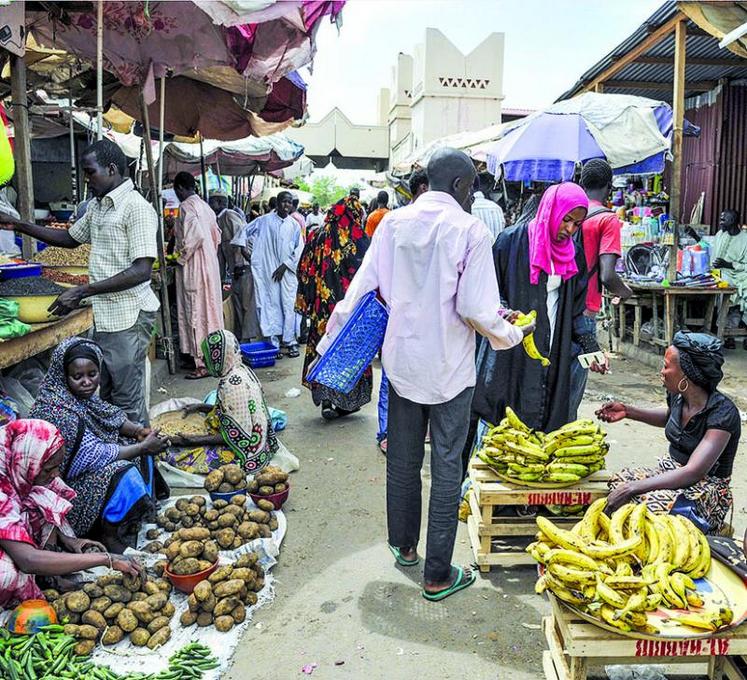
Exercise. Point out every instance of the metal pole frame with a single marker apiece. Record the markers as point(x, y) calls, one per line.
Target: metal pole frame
point(100, 70)
point(167, 340)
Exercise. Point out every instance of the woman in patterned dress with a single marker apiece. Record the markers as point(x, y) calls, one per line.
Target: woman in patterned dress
point(328, 263)
point(242, 430)
point(703, 428)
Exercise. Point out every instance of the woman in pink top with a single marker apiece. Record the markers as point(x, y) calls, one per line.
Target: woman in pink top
point(198, 281)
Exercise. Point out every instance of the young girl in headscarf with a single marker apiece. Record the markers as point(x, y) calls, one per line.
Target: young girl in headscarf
point(703, 428)
point(108, 459)
point(539, 267)
point(240, 419)
point(34, 508)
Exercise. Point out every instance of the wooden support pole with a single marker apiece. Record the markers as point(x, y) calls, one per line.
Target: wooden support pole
point(22, 149)
point(167, 340)
point(100, 70)
point(678, 106)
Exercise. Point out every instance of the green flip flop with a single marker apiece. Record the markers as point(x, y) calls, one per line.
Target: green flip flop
point(401, 560)
point(460, 583)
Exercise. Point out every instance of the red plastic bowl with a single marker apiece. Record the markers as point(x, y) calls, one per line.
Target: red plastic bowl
point(277, 499)
point(186, 583)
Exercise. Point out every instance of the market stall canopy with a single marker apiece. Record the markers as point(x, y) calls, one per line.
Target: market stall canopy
point(632, 133)
point(246, 72)
point(237, 159)
point(160, 38)
point(465, 141)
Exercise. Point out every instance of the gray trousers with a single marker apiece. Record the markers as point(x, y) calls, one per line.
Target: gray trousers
point(407, 426)
point(246, 322)
point(123, 372)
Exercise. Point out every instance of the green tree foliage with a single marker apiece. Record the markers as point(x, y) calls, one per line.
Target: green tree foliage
point(324, 189)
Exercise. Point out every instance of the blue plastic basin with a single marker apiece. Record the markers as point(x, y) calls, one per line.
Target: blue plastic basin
point(259, 354)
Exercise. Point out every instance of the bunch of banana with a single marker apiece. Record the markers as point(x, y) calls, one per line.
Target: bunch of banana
point(620, 567)
point(529, 346)
point(567, 455)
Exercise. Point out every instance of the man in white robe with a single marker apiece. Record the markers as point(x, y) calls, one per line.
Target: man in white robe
point(276, 247)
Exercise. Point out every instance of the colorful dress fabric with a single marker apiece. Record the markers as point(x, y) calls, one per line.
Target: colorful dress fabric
point(240, 411)
point(711, 496)
point(90, 430)
point(28, 513)
point(328, 264)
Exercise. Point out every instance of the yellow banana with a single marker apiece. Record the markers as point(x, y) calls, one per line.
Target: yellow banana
point(541, 585)
point(569, 468)
point(574, 424)
point(573, 578)
point(529, 345)
point(528, 468)
point(694, 599)
point(666, 588)
point(574, 558)
point(652, 538)
point(617, 522)
point(590, 523)
point(704, 563)
point(583, 460)
point(562, 591)
point(653, 601)
point(694, 553)
point(626, 582)
point(608, 615)
point(681, 540)
point(563, 538)
point(515, 422)
point(726, 615)
point(635, 603)
point(604, 527)
point(609, 595)
point(563, 477)
point(710, 621)
point(576, 451)
point(677, 581)
point(606, 550)
point(666, 547)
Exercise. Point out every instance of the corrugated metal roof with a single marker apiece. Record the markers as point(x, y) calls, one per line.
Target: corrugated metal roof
point(700, 46)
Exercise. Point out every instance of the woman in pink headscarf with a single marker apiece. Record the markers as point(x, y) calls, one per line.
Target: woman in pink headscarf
point(34, 503)
point(540, 267)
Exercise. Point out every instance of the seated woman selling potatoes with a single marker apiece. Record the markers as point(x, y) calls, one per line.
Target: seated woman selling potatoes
point(703, 428)
point(36, 538)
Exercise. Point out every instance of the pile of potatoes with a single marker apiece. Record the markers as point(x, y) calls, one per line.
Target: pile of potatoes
point(226, 479)
point(270, 481)
point(221, 600)
point(227, 524)
point(113, 606)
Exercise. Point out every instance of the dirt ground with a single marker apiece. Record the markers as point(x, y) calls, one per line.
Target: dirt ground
point(342, 604)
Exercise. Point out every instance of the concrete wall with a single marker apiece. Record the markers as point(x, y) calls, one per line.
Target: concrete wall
point(453, 92)
point(335, 135)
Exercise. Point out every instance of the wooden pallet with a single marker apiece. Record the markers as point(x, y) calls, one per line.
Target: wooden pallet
point(500, 541)
point(575, 644)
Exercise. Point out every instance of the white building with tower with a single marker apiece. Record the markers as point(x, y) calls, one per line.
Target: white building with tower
point(436, 91)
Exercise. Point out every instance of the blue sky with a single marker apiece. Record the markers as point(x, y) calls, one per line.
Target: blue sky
point(549, 44)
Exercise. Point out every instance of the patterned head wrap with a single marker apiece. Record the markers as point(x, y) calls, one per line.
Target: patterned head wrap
point(701, 358)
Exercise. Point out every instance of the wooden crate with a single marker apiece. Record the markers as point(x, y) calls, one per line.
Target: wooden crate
point(500, 541)
point(574, 645)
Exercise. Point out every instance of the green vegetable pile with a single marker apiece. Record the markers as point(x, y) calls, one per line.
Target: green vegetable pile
point(49, 655)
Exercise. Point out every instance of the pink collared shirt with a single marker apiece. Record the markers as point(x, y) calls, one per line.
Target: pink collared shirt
point(432, 264)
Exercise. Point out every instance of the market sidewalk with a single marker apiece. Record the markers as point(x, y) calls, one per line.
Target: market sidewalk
point(340, 601)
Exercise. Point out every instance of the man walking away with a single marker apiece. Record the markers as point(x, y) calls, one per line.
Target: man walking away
point(601, 240)
point(488, 211)
point(382, 208)
point(242, 285)
point(296, 215)
point(276, 250)
point(198, 281)
point(431, 263)
point(122, 228)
